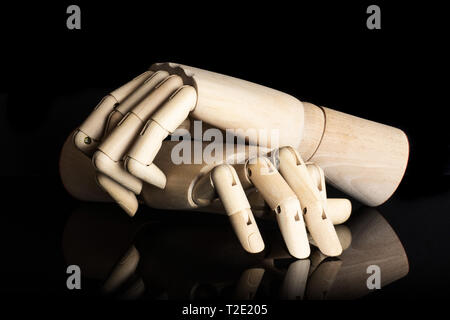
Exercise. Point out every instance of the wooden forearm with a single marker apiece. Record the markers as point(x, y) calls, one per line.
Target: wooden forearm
point(363, 158)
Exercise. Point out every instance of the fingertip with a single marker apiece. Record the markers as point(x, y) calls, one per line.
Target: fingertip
point(125, 198)
point(255, 243)
point(332, 251)
point(292, 227)
point(247, 232)
point(151, 174)
point(130, 208)
point(298, 251)
point(339, 210)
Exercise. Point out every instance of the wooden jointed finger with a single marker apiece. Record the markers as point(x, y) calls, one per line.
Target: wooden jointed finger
point(313, 205)
point(280, 198)
point(118, 183)
point(229, 188)
point(89, 133)
point(165, 121)
point(134, 98)
point(338, 209)
point(125, 198)
point(114, 169)
point(108, 158)
point(129, 127)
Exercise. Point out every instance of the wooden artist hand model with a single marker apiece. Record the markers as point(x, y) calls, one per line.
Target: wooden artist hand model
point(124, 134)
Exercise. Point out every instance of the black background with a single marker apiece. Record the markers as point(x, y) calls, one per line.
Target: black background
point(51, 77)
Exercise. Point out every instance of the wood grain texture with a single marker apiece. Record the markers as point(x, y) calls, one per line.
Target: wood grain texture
point(78, 174)
point(230, 103)
point(364, 159)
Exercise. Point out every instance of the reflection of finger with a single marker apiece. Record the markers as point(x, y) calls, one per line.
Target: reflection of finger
point(248, 284)
point(279, 196)
point(166, 120)
point(134, 291)
point(124, 197)
point(313, 205)
point(232, 195)
point(322, 279)
point(92, 129)
point(316, 259)
point(122, 271)
point(294, 283)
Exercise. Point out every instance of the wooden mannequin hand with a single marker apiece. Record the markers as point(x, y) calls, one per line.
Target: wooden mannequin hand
point(123, 134)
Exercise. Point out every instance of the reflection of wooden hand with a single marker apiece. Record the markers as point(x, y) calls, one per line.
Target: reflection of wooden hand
point(189, 256)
